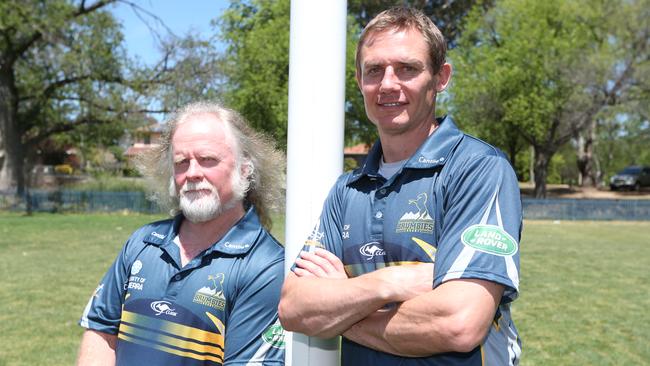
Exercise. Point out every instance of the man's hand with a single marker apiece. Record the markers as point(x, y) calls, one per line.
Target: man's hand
point(406, 281)
point(455, 317)
point(321, 263)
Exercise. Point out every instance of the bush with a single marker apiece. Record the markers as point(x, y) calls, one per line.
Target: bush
point(108, 183)
point(131, 172)
point(349, 164)
point(63, 169)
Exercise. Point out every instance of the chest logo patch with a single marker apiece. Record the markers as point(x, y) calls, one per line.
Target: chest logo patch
point(417, 221)
point(212, 295)
point(163, 307)
point(137, 266)
point(370, 250)
point(489, 239)
point(136, 282)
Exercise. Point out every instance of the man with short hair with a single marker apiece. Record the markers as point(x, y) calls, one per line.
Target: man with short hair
point(201, 288)
point(426, 193)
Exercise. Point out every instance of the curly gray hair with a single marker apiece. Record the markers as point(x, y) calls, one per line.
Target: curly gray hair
point(266, 164)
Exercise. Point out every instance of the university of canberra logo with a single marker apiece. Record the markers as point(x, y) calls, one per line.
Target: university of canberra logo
point(418, 221)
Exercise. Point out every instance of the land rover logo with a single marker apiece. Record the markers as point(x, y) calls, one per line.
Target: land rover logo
point(489, 239)
point(274, 336)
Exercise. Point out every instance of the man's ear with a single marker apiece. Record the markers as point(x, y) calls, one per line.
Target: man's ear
point(246, 169)
point(444, 77)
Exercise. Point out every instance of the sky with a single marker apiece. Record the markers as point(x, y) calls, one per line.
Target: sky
point(181, 16)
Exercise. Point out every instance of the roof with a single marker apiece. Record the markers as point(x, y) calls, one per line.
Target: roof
point(357, 149)
point(138, 148)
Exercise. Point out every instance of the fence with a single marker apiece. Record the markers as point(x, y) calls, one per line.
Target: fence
point(585, 209)
point(79, 201)
point(539, 209)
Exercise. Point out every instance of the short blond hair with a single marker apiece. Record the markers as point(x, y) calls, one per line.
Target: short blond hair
point(403, 18)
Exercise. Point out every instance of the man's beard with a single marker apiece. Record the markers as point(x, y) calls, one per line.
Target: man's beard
point(201, 206)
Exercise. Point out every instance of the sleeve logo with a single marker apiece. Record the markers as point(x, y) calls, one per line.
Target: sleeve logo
point(489, 239)
point(274, 336)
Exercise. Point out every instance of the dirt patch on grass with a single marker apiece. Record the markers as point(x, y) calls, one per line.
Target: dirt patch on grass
point(567, 191)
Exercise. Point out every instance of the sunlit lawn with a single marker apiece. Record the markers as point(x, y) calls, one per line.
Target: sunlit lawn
point(584, 300)
point(585, 293)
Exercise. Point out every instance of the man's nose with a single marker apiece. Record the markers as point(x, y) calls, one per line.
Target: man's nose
point(389, 82)
point(194, 170)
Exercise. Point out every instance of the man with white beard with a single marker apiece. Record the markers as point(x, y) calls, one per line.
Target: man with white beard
point(201, 288)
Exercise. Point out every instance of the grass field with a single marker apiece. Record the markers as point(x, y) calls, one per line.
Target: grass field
point(585, 287)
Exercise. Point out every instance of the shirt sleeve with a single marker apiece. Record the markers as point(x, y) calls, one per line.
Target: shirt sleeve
point(481, 225)
point(254, 335)
point(104, 309)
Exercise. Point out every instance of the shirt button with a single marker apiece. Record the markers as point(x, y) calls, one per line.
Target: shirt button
point(177, 277)
point(379, 215)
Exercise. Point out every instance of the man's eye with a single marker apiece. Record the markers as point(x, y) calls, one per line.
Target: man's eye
point(208, 160)
point(373, 71)
point(408, 69)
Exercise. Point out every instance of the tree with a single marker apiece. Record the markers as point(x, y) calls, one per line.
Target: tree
point(529, 67)
point(257, 63)
point(59, 68)
point(64, 76)
point(617, 77)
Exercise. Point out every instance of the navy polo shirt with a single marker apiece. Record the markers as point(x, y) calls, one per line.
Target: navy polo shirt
point(221, 308)
point(455, 202)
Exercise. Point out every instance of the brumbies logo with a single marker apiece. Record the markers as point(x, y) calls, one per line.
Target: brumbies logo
point(419, 221)
point(212, 296)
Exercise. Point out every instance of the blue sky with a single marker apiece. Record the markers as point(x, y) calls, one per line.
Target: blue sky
point(181, 16)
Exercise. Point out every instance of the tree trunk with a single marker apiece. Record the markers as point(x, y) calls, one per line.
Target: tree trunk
point(542, 159)
point(531, 165)
point(585, 151)
point(11, 171)
point(512, 154)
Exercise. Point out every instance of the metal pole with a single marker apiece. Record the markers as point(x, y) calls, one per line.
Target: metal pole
point(315, 139)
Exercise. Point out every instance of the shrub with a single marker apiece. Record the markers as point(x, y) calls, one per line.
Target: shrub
point(108, 183)
point(63, 169)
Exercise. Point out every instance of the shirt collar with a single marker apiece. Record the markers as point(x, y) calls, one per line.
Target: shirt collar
point(433, 152)
point(238, 240)
point(436, 148)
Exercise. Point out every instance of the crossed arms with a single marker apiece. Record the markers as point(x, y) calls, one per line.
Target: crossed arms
point(318, 299)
